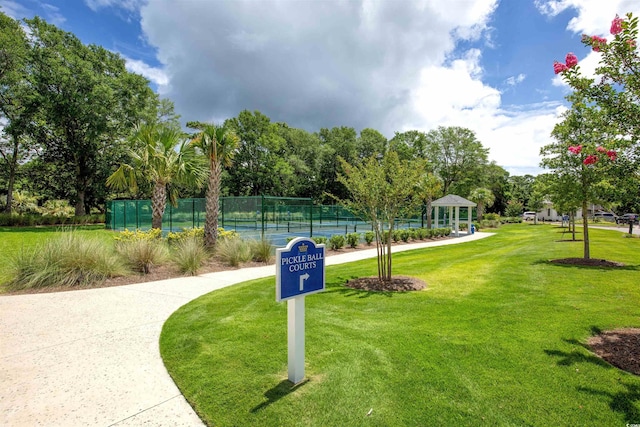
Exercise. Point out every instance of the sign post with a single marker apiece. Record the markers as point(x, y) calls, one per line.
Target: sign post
point(299, 272)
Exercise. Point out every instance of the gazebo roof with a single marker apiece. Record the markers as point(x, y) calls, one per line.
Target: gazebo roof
point(453, 200)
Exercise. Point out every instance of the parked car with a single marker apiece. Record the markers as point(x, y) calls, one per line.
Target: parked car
point(529, 216)
point(627, 218)
point(605, 216)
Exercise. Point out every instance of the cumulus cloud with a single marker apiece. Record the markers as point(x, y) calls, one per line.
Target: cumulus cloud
point(156, 75)
point(593, 16)
point(311, 64)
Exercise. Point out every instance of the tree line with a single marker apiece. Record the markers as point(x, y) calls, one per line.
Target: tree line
point(72, 115)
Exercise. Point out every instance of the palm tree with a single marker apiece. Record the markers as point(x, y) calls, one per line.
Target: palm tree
point(483, 197)
point(219, 144)
point(163, 161)
point(429, 188)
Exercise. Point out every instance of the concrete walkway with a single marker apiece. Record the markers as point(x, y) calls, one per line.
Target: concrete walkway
point(91, 357)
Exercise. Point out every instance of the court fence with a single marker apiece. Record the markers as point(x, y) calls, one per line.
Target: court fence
point(259, 217)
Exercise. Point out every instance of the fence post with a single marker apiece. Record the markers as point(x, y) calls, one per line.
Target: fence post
point(311, 219)
point(262, 210)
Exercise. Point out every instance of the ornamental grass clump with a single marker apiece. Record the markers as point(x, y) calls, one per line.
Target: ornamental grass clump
point(67, 260)
point(189, 255)
point(143, 254)
point(233, 251)
point(261, 250)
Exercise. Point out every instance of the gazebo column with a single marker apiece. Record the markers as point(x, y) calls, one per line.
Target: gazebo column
point(437, 210)
point(450, 217)
point(469, 214)
point(457, 222)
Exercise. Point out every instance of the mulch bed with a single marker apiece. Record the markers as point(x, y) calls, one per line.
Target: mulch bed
point(620, 347)
point(591, 262)
point(396, 284)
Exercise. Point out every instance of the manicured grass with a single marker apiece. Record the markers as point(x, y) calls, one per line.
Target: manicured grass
point(497, 339)
point(16, 239)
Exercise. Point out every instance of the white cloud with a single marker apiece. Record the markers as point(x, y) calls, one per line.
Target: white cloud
point(128, 5)
point(515, 80)
point(456, 96)
point(155, 75)
point(12, 9)
point(593, 16)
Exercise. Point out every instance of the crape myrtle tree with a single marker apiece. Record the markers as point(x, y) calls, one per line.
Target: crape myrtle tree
point(580, 159)
point(87, 104)
point(429, 188)
point(163, 158)
point(219, 144)
point(381, 190)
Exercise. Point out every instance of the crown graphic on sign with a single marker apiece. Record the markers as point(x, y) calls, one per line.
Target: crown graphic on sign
point(303, 248)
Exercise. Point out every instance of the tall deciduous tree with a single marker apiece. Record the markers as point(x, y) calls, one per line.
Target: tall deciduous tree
point(382, 190)
point(163, 160)
point(218, 143)
point(458, 158)
point(88, 102)
point(17, 107)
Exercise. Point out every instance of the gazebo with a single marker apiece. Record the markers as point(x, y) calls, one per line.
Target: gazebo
point(452, 201)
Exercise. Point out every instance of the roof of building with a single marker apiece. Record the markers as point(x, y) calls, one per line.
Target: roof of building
point(453, 200)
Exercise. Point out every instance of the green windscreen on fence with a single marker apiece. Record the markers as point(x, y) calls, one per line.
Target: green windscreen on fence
point(275, 218)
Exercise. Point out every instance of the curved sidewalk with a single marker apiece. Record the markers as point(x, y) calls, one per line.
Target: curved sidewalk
point(91, 357)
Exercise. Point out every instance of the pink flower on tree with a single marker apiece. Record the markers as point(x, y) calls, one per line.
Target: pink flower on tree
point(601, 149)
point(612, 155)
point(597, 43)
point(590, 159)
point(631, 43)
point(559, 67)
point(575, 149)
point(571, 60)
point(616, 25)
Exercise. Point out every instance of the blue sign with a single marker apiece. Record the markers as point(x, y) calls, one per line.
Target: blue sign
point(299, 269)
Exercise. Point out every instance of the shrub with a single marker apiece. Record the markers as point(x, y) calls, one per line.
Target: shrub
point(413, 234)
point(491, 217)
point(353, 239)
point(404, 235)
point(189, 254)
point(233, 251)
point(319, 240)
point(225, 234)
point(130, 236)
point(59, 208)
point(489, 224)
point(395, 236)
point(261, 250)
point(336, 242)
point(196, 233)
point(67, 260)
point(422, 233)
point(143, 253)
point(368, 237)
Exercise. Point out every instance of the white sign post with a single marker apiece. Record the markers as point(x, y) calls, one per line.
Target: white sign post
point(299, 272)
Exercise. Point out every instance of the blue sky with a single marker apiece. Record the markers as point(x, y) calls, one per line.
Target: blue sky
point(391, 65)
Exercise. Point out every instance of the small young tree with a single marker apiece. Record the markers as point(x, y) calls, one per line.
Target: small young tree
point(381, 191)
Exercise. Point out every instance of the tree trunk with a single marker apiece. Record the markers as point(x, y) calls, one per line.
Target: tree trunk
point(158, 204)
point(480, 211)
point(13, 167)
point(387, 277)
point(80, 210)
point(429, 220)
point(585, 230)
point(212, 205)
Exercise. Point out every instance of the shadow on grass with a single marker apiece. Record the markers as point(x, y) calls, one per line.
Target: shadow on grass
point(586, 267)
point(276, 393)
point(358, 293)
point(623, 401)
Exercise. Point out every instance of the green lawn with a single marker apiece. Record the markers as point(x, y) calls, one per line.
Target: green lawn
point(497, 339)
point(14, 239)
